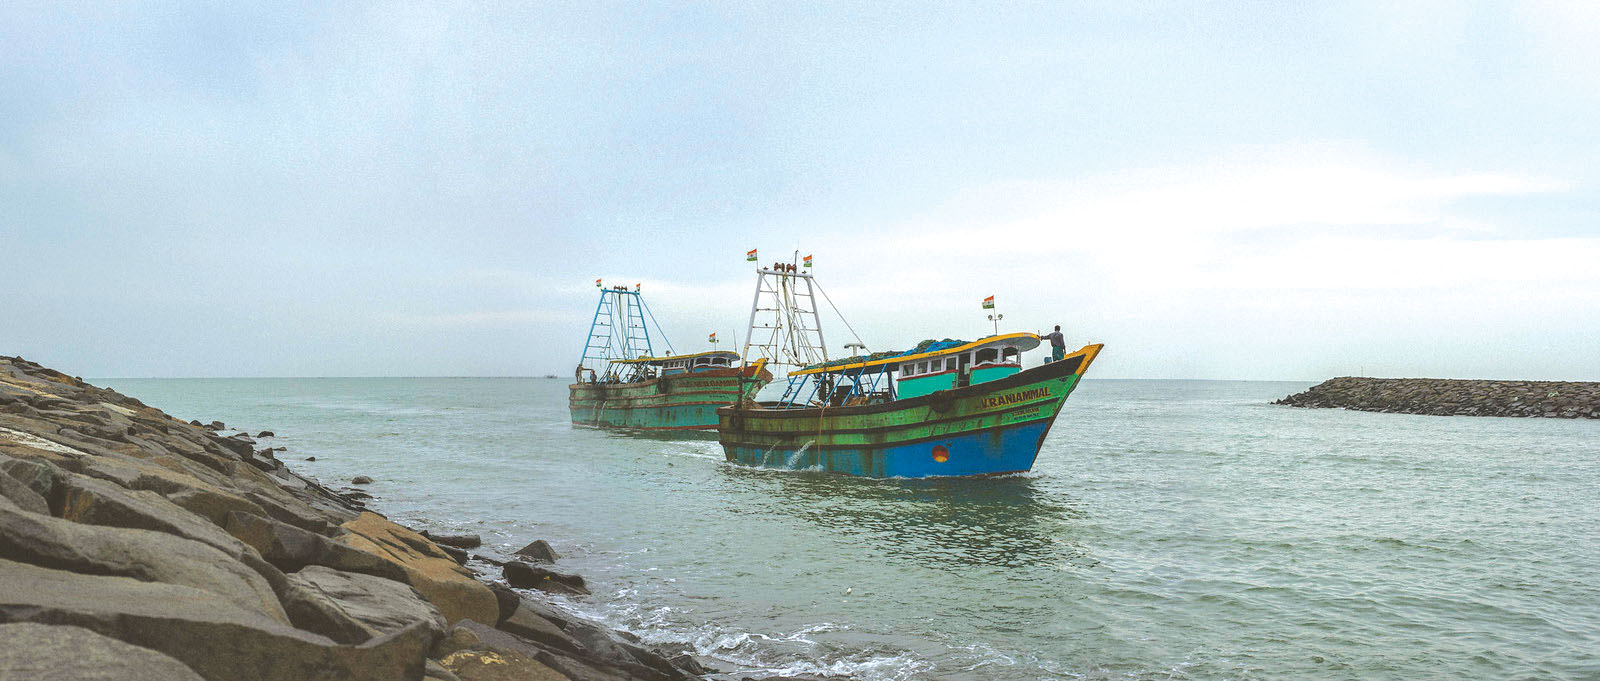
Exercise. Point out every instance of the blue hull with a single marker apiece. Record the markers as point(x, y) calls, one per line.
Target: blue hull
point(1007, 449)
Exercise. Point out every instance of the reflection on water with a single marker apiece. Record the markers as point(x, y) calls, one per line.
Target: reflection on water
point(943, 523)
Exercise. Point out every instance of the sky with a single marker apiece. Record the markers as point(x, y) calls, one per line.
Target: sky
point(1263, 191)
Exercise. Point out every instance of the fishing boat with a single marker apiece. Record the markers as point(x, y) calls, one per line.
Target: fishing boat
point(621, 382)
point(942, 408)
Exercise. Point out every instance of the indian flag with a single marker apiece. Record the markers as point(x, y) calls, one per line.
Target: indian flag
point(597, 283)
point(988, 303)
point(808, 261)
point(713, 337)
point(751, 256)
point(636, 287)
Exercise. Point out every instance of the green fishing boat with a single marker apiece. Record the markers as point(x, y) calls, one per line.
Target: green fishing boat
point(621, 383)
point(942, 408)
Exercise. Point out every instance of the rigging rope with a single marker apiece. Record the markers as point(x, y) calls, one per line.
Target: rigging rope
point(840, 314)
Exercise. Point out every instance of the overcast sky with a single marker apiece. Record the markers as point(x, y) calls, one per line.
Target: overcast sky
point(1214, 190)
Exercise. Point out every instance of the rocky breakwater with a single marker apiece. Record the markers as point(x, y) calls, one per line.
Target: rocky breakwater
point(137, 546)
point(1448, 397)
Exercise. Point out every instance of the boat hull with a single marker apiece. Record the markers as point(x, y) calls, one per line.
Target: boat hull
point(680, 402)
point(990, 428)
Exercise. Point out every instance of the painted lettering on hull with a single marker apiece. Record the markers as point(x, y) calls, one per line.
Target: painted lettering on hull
point(1012, 398)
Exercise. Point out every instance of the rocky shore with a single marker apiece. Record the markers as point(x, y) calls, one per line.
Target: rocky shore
point(1446, 397)
point(137, 546)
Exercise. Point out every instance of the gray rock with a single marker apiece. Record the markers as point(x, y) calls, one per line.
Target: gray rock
point(373, 605)
point(37, 475)
point(291, 549)
point(96, 502)
point(41, 652)
point(23, 496)
point(465, 541)
point(436, 672)
point(539, 552)
point(568, 665)
point(526, 622)
point(460, 555)
point(140, 554)
point(210, 635)
point(266, 433)
point(528, 576)
point(361, 480)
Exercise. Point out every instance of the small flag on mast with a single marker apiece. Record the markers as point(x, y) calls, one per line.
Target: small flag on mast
point(713, 337)
point(751, 256)
point(597, 283)
point(636, 287)
point(808, 261)
point(988, 303)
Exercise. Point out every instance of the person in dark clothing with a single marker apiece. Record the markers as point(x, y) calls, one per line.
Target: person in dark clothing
point(1058, 344)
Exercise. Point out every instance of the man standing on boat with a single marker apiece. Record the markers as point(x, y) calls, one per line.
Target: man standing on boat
point(1058, 344)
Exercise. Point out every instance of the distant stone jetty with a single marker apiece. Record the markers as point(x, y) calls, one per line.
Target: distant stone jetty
point(1446, 397)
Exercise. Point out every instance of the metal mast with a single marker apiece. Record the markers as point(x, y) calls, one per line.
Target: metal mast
point(785, 328)
point(618, 331)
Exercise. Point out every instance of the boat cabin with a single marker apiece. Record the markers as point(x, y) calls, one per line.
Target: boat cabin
point(930, 367)
point(672, 365)
point(963, 365)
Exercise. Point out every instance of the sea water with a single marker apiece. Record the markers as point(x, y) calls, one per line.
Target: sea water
point(1169, 530)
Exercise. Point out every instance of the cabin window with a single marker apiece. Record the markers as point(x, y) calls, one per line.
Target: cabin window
point(908, 369)
point(950, 364)
point(720, 361)
point(987, 356)
point(1009, 354)
point(922, 368)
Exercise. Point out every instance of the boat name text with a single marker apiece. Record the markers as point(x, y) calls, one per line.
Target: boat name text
point(1012, 398)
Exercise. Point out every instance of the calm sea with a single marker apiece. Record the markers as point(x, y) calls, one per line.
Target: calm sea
point(1170, 530)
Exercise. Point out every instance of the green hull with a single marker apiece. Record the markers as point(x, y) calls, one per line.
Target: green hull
point(983, 429)
point(681, 402)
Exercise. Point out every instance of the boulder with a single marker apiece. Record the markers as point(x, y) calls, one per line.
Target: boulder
point(539, 552)
point(465, 541)
point(507, 599)
point(23, 496)
point(97, 502)
point(204, 631)
point(491, 665)
point(291, 549)
point(265, 433)
point(439, 578)
point(37, 475)
point(460, 556)
point(361, 480)
point(526, 622)
point(525, 575)
point(140, 554)
point(502, 642)
point(213, 504)
point(41, 652)
point(460, 638)
point(358, 607)
point(288, 511)
point(437, 672)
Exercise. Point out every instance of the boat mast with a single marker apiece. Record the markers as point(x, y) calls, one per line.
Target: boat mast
point(618, 331)
point(785, 328)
